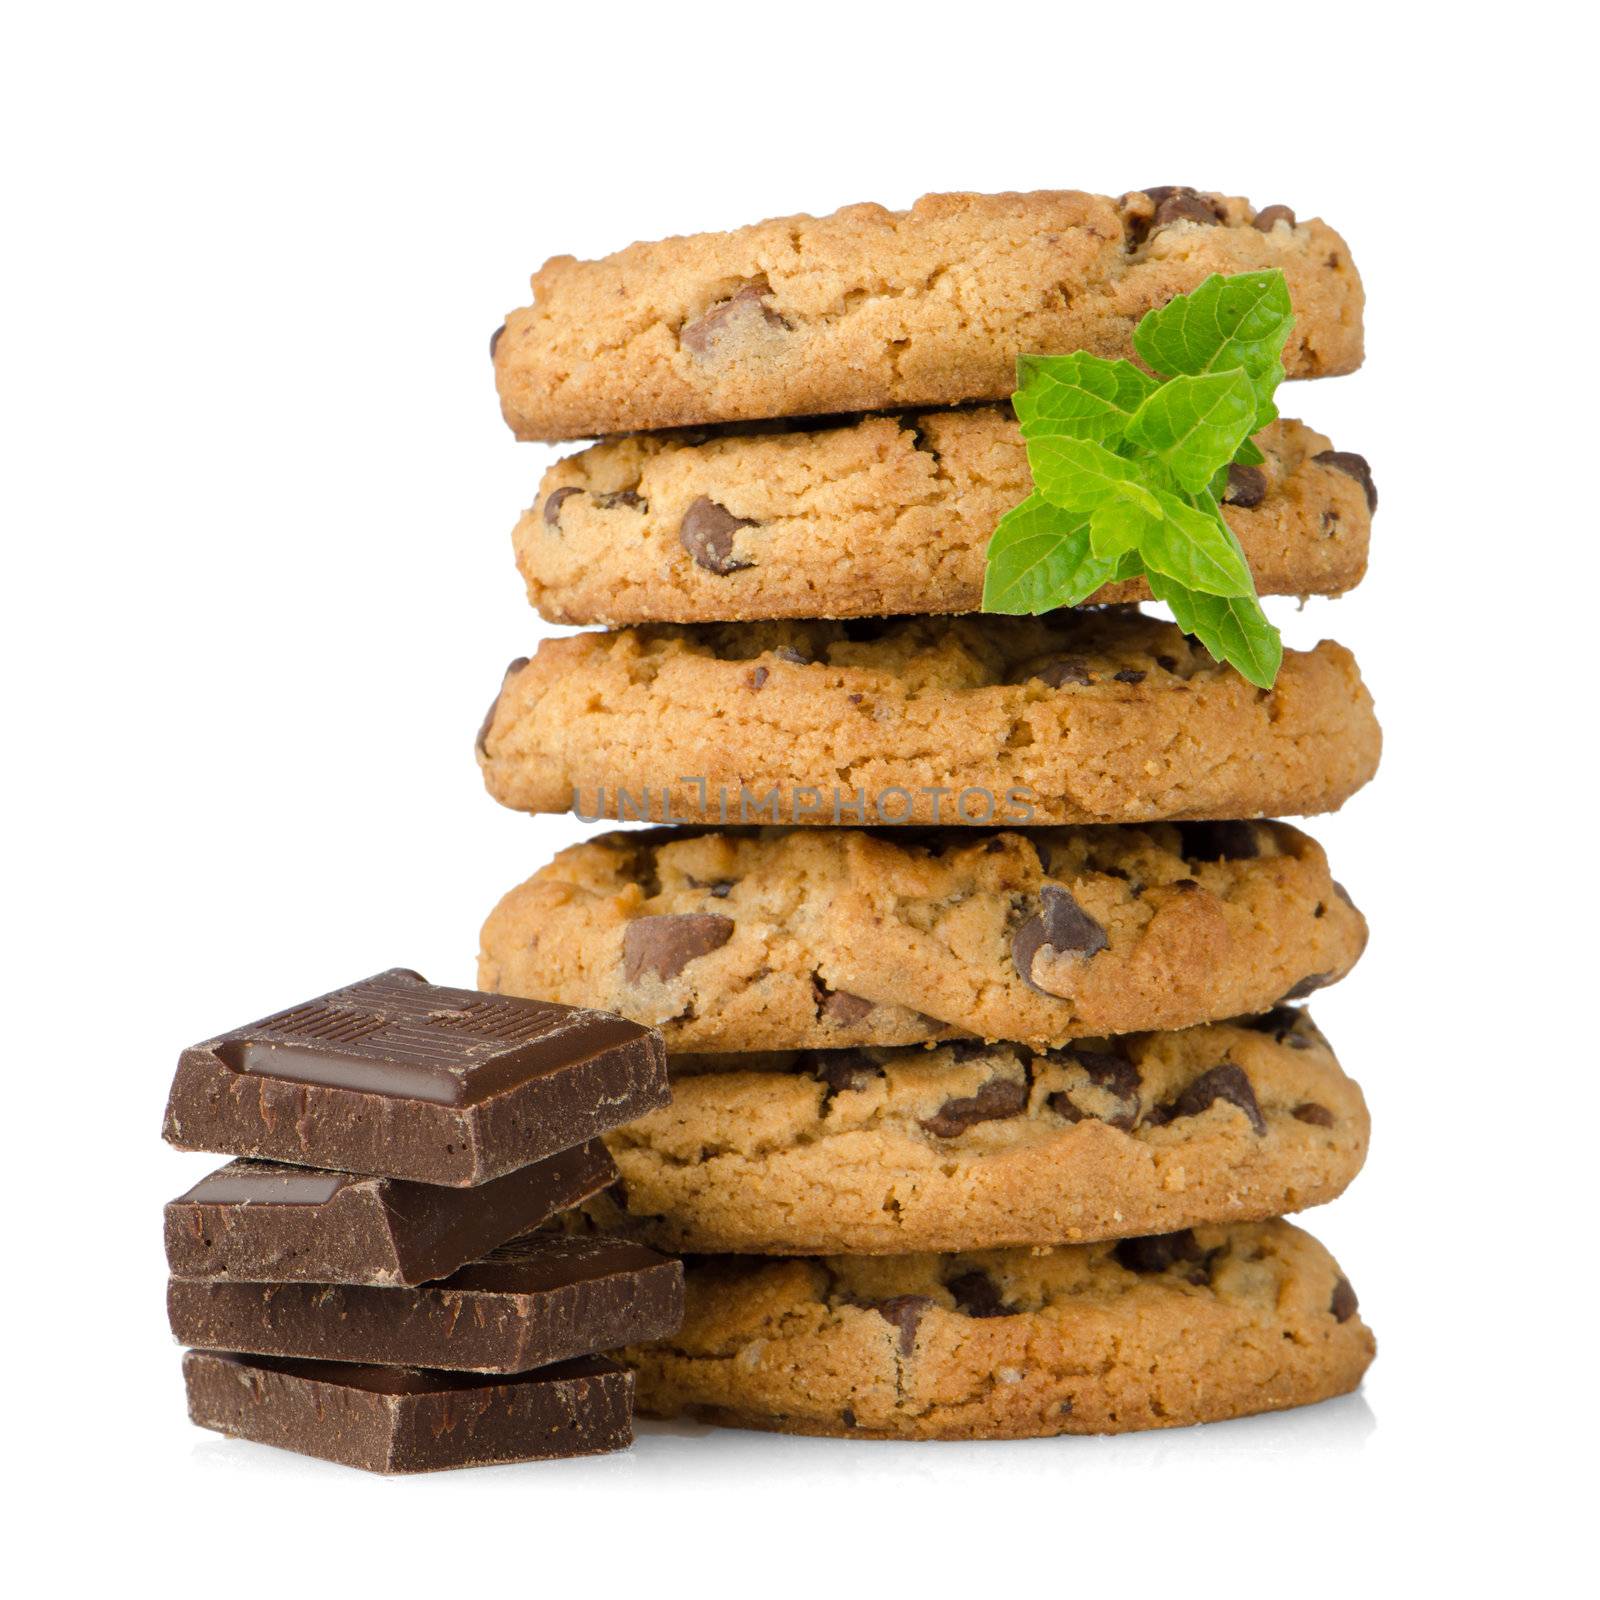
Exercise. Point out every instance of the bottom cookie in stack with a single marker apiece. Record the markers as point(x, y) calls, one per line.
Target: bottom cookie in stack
point(1156, 1332)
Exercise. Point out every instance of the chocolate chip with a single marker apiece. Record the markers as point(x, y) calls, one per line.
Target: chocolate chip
point(494, 705)
point(1352, 466)
point(1108, 1071)
point(1307, 985)
point(758, 676)
point(665, 945)
point(1227, 1083)
point(838, 1006)
point(1060, 926)
point(702, 336)
point(552, 506)
point(794, 657)
point(842, 1070)
point(1056, 674)
point(976, 1294)
point(707, 531)
point(1158, 1252)
point(1219, 841)
point(1179, 203)
point(1062, 1104)
point(494, 340)
point(619, 497)
point(1317, 1116)
point(1113, 1073)
point(1343, 1304)
point(848, 1417)
point(1247, 486)
point(1270, 216)
point(999, 1097)
point(1129, 675)
point(905, 1312)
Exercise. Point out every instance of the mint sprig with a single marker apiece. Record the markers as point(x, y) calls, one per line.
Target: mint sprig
point(1127, 468)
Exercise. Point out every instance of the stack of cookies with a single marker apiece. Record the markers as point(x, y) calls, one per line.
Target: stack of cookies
point(983, 1124)
point(364, 1285)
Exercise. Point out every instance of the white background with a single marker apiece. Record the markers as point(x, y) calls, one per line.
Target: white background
point(257, 507)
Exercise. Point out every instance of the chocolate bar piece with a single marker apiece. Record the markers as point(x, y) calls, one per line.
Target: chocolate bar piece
point(389, 1419)
point(260, 1221)
point(396, 1077)
point(536, 1300)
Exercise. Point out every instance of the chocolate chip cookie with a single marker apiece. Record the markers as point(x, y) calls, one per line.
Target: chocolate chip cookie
point(1155, 1332)
point(883, 515)
point(870, 309)
point(970, 1146)
point(1090, 716)
point(817, 938)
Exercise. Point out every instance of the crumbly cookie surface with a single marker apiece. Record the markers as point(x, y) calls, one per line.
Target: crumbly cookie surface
point(1103, 1338)
point(869, 309)
point(885, 515)
point(817, 938)
point(972, 1146)
point(1097, 716)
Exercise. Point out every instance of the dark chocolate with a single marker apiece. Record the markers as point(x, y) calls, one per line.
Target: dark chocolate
point(389, 1419)
point(260, 1221)
point(537, 1300)
point(396, 1077)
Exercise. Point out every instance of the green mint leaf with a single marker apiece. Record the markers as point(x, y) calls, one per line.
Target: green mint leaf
point(1196, 424)
point(1039, 558)
point(1120, 524)
point(1232, 627)
point(1194, 547)
point(1239, 321)
point(1077, 474)
point(1249, 454)
point(1079, 395)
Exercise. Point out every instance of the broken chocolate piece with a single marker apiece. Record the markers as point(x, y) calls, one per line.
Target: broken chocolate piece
point(839, 1006)
point(999, 1097)
point(1247, 486)
point(402, 1079)
point(388, 1419)
point(541, 1299)
point(746, 310)
point(1227, 1083)
point(259, 1220)
point(1270, 216)
point(707, 531)
point(663, 946)
point(1352, 466)
point(1317, 1116)
point(1060, 927)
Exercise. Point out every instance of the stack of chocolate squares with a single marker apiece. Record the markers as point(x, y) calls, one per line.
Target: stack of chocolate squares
point(985, 1126)
point(358, 1286)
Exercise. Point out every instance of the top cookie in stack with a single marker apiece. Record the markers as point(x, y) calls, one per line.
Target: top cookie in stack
point(871, 309)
